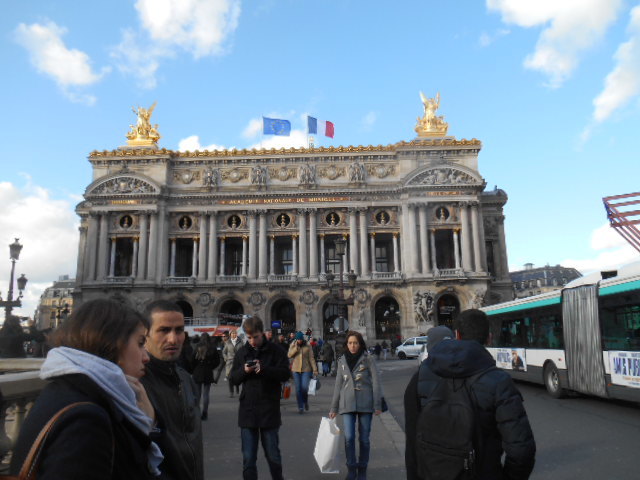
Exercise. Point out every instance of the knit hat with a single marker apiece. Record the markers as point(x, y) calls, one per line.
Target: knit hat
point(436, 334)
point(299, 336)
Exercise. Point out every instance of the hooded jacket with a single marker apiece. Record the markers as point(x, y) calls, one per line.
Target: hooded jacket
point(172, 393)
point(503, 420)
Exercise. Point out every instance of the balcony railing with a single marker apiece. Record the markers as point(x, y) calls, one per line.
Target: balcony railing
point(386, 275)
point(20, 385)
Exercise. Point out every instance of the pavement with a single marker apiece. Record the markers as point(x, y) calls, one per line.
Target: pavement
point(223, 455)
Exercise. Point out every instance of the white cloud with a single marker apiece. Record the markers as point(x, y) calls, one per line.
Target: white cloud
point(253, 129)
point(487, 39)
point(192, 143)
point(69, 68)
point(200, 27)
point(47, 229)
point(571, 27)
point(610, 251)
point(369, 120)
point(623, 83)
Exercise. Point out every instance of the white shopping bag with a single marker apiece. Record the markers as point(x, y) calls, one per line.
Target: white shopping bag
point(312, 386)
point(327, 446)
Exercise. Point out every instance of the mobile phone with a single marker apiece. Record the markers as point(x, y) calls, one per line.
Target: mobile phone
point(252, 363)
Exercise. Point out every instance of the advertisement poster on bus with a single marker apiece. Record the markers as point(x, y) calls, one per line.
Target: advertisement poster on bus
point(625, 368)
point(511, 359)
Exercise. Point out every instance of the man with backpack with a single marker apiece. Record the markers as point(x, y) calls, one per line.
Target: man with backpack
point(465, 412)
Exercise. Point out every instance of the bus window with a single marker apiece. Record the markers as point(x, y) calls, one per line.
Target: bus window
point(546, 332)
point(621, 328)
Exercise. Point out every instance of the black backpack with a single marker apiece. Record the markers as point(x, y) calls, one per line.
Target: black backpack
point(448, 432)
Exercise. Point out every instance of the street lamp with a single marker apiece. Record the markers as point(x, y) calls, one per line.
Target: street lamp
point(338, 296)
point(9, 303)
point(61, 312)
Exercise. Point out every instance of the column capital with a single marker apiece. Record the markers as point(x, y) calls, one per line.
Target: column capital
point(82, 229)
point(114, 238)
point(173, 239)
point(396, 234)
point(321, 235)
point(372, 234)
point(261, 211)
point(196, 239)
point(245, 237)
point(136, 238)
point(294, 236)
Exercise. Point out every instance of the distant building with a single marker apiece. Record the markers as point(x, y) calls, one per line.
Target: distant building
point(533, 281)
point(55, 303)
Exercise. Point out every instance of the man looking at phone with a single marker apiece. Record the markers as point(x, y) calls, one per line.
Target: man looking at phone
point(261, 366)
point(172, 393)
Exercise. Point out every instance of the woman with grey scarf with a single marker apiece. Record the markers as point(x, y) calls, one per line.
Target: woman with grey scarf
point(98, 361)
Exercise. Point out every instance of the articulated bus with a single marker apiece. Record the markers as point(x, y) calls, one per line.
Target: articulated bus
point(583, 338)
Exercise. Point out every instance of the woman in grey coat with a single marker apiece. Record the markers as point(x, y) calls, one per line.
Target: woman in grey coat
point(231, 347)
point(356, 396)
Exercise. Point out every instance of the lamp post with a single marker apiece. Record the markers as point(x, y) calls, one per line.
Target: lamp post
point(61, 313)
point(9, 303)
point(338, 293)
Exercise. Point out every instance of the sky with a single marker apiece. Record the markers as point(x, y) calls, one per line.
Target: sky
point(550, 87)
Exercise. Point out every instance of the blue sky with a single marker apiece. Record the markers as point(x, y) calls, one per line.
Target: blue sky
point(550, 88)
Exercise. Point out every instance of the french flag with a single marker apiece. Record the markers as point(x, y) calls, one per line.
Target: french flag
point(326, 127)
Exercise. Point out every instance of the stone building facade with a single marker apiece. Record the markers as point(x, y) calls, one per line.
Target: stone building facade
point(534, 281)
point(56, 303)
point(253, 232)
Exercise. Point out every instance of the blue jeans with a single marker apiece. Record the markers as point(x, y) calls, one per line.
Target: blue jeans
point(302, 387)
point(270, 441)
point(364, 430)
point(326, 368)
point(202, 391)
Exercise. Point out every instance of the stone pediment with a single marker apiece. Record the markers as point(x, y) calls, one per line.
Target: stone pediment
point(444, 176)
point(123, 184)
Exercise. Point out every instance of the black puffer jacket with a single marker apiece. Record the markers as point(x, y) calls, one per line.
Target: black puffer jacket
point(503, 420)
point(203, 367)
point(89, 441)
point(260, 397)
point(172, 393)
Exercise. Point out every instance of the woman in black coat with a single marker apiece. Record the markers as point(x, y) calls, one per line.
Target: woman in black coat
point(99, 360)
point(206, 359)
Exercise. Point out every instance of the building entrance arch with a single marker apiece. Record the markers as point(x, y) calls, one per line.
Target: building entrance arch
point(283, 311)
point(332, 324)
point(387, 318)
point(187, 309)
point(231, 308)
point(447, 309)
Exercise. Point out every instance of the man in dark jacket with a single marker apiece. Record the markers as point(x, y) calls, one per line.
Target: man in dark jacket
point(172, 392)
point(502, 418)
point(261, 366)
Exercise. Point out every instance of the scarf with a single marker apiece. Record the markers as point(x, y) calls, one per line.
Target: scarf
point(352, 358)
point(110, 378)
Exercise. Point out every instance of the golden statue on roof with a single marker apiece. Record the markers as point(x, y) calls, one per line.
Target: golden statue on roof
point(430, 125)
point(142, 133)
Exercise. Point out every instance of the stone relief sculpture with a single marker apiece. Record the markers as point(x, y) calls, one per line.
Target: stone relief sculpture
point(444, 176)
point(478, 299)
point(259, 176)
point(211, 177)
point(123, 185)
point(356, 172)
point(307, 175)
point(423, 306)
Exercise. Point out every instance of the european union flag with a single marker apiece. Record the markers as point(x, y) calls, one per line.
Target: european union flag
point(275, 126)
point(312, 124)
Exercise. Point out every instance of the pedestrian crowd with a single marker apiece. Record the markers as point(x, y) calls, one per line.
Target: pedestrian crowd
point(127, 394)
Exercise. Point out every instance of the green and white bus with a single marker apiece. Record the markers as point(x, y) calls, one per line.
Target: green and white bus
point(583, 338)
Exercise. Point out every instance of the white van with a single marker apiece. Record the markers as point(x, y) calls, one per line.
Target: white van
point(410, 348)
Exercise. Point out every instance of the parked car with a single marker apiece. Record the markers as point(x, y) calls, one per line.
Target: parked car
point(410, 348)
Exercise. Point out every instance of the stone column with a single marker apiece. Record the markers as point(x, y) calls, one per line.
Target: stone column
point(245, 255)
point(253, 247)
point(456, 247)
point(152, 255)
point(202, 247)
point(353, 242)
point(313, 244)
point(372, 251)
point(396, 256)
point(163, 244)
point(323, 260)
point(424, 233)
point(483, 247)
point(434, 260)
point(346, 256)
point(112, 257)
point(82, 250)
point(92, 243)
point(134, 262)
point(212, 256)
point(477, 248)
point(364, 251)
point(172, 265)
point(272, 255)
point(302, 232)
point(466, 237)
point(294, 242)
point(194, 257)
point(103, 240)
point(413, 240)
point(263, 255)
point(222, 252)
point(502, 245)
point(143, 247)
